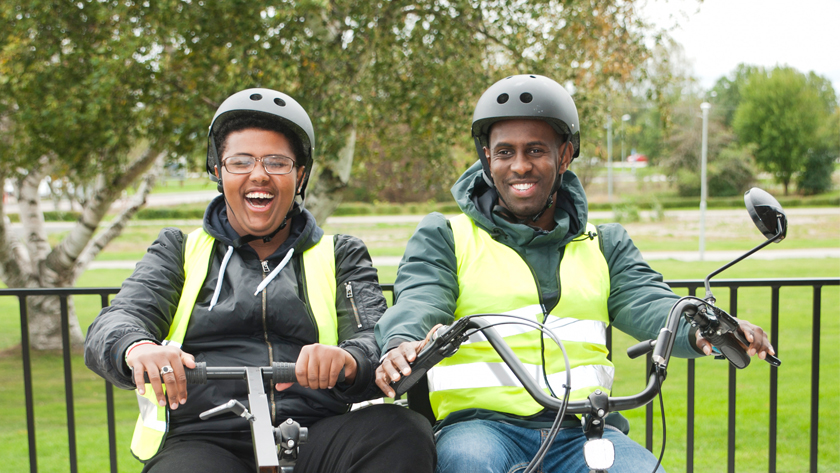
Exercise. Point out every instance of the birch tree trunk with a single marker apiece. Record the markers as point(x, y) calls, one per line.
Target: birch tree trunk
point(330, 178)
point(33, 264)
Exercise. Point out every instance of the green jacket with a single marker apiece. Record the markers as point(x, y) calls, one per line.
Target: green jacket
point(427, 283)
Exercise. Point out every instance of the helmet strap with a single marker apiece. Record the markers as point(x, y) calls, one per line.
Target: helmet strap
point(485, 163)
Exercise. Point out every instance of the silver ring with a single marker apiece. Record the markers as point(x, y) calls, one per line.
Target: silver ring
point(166, 370)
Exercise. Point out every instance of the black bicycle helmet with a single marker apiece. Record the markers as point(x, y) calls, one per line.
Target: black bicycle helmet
point(275, 105)
point(526, 96)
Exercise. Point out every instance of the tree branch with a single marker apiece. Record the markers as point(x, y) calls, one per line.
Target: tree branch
point(118, 224)
point(63, 257)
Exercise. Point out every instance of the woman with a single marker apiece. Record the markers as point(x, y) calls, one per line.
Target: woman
point(275, 289)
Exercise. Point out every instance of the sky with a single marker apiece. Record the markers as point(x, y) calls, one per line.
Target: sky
point(720, 34)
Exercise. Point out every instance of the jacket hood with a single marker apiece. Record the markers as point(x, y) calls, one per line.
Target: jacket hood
point(304, 234)
point(477, 200)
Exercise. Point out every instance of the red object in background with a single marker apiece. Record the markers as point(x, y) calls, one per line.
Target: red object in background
point(637, 158)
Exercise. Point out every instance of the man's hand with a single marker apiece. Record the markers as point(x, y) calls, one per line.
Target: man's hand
point(396, 363)
point(318, 366)
point(759, 342)
point(151, 359)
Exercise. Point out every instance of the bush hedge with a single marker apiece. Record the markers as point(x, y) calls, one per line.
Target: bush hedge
point(361, 208)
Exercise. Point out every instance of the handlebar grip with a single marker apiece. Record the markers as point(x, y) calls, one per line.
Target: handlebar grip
point(285, 373)
point(729, 348)
point(197, 375)
point(641, 348)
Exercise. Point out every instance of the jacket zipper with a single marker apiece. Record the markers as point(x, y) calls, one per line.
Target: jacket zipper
point(349, 293)
point(266, 270)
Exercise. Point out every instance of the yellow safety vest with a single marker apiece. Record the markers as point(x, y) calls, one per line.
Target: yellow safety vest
point(493, 278)
point(153, 422)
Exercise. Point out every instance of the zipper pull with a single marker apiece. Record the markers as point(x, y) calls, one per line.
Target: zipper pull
point(265, 266)
point(348, 290)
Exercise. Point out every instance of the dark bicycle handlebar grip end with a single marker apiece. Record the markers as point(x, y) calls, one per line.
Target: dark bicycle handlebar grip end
point(772, 360)
point(197, 375)
point(641, 348)
point(283, 372)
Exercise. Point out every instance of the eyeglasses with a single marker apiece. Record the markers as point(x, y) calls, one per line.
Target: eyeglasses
point(244, 164)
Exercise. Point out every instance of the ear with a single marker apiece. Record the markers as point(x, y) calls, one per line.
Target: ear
point(566, 157)
point(300, 175)
point(487, 155)
point(216, 171)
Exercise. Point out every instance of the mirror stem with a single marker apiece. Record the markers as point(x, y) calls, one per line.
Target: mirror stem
point(709, 297)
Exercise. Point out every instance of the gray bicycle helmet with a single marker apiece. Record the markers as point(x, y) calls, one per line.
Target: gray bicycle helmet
point(273, 104)
point(526, 96)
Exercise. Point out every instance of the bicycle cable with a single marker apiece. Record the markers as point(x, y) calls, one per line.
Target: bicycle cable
point(662, 411)
point(555, 426)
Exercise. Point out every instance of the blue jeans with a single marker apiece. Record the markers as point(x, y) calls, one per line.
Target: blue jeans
point(495, 447)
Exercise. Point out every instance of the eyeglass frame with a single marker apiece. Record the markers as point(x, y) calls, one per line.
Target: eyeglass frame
point(259, 159)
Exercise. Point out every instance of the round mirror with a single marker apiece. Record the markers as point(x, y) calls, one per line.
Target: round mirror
point(766, 213)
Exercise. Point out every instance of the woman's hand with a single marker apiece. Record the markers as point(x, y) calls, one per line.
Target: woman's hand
point(152, 359)
point(318, 366)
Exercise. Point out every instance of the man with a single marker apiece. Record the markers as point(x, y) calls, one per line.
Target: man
point(523, 246)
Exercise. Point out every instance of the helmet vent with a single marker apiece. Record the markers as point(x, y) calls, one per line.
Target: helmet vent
point(502, 98)
point(526, 97)
point(280, 102)
point(533, 77)
point(255, 97)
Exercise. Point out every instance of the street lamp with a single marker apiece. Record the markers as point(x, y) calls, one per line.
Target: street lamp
point(609, 159)
point(624, 119)
point(704, 149)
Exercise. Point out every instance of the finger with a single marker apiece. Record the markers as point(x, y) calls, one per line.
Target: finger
point(171, 382)
point(302, 368)
point(401, 362)
point(392, 372)
point(155, 381)
point(188, 360)
point(139, 383)
point(283, 386)
point(383, 381)
point(335, 369)
point(179, 395)
point(704, 345)
point(314, 372)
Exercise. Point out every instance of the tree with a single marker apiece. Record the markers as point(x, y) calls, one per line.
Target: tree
point(69, 93)
point(780, 112)
point(98, 91)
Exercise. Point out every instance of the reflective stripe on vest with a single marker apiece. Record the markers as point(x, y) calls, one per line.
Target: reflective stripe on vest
point(493, 278)
point(153, 421)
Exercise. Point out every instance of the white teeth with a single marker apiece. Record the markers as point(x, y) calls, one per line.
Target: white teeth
point(523, 187)
point(259, 195)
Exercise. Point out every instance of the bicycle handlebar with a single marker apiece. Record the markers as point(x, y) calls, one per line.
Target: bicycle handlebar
point(278, 372)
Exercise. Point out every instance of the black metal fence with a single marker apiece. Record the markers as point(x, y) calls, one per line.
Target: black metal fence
point(691, 285)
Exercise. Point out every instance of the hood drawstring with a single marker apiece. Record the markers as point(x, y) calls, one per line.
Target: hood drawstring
point(276, 271)
point(221, 277)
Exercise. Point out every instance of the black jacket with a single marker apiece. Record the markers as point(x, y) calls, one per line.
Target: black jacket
point(242, 329)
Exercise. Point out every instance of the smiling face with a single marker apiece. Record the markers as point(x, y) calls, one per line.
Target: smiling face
point(258, 202)
point(524, 160)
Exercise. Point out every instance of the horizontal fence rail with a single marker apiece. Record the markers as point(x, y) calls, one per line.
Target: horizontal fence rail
point(691, 285)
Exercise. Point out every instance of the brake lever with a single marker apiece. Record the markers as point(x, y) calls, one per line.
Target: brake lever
point(444, 343)
point(721, 329)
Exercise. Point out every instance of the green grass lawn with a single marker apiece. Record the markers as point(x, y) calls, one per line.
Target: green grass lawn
point(711, 404)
